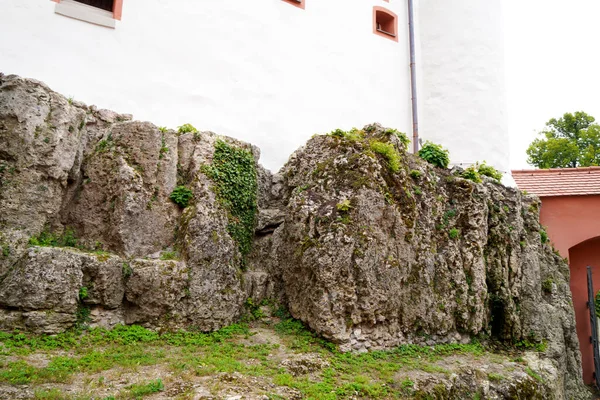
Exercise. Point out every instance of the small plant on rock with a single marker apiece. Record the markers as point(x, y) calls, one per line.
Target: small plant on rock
point(489, 171)
point(400, 135)
point(415, 174)
point(543, 236)
point(186, 128)
point(453, 233)
point(127, 271)
point(181, 196)
point(344, 206)
point(435, 154)
point(169, 255)
point(547, 285)
point(471, 174)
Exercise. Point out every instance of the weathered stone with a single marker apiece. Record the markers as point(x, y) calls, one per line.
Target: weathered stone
point(44, 279)
point(154, 290)
point(429, 255)
point(368, 257)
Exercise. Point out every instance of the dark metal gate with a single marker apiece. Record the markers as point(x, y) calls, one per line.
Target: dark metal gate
point(594, 323)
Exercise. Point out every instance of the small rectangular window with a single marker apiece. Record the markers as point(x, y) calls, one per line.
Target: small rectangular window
point(99, 12)
point(103, 4)
point(385, 23)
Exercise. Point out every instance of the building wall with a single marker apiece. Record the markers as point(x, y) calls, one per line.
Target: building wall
point(570, 220)
point(271, 73)
point(462, 79)
point(581, 256)
point(572, 226)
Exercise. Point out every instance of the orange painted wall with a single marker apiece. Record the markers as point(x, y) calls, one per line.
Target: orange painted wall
point(582, 255)
point(573, 226)
point(570, 220)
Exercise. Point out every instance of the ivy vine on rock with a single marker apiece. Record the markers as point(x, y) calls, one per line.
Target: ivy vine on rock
point(233, 171)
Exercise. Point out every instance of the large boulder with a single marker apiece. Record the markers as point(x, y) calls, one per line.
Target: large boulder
point(374, 256)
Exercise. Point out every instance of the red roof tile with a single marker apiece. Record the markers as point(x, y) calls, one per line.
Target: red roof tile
point(559, 181)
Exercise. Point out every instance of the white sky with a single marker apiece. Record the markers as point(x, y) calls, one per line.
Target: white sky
point(552, 65)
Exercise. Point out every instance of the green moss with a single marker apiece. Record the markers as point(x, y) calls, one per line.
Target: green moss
point(388, 151)
point(234, 173)
point(547, 285)
point(534, 375)
point(404, 140)
point(415, 174)
point(454, 233)
point(351, 135)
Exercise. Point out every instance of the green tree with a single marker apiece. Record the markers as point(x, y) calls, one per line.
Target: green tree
point(570, 141)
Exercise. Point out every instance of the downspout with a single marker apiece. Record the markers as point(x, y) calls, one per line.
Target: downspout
point(413, 76)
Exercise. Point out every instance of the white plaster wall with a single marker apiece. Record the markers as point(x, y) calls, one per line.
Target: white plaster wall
point(462, 89)
point(262, 71)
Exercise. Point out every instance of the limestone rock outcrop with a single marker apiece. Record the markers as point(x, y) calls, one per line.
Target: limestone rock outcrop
point(368, 245)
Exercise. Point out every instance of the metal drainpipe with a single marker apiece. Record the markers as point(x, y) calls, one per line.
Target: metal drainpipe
point(413, 76)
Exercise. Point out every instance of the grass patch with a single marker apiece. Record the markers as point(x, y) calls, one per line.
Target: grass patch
point(373, 375)
point(141, 390)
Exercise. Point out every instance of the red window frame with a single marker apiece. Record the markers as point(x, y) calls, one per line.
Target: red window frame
point(299, 4)
point(393, 35)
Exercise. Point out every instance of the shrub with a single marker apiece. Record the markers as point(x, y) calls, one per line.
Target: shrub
point(181, 196)
point(471, 174)
point(435, 154)
point(186, 128)
point(388, 151)
point(49, 239)
point(453, 233)
point(490, 171)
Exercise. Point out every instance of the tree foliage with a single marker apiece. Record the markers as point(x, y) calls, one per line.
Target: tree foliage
point(570, 141)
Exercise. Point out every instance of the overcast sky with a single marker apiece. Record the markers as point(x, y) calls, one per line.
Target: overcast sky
point(552, 65)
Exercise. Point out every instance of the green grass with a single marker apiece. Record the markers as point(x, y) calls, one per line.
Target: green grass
point(377, 374)
point(139, 391)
